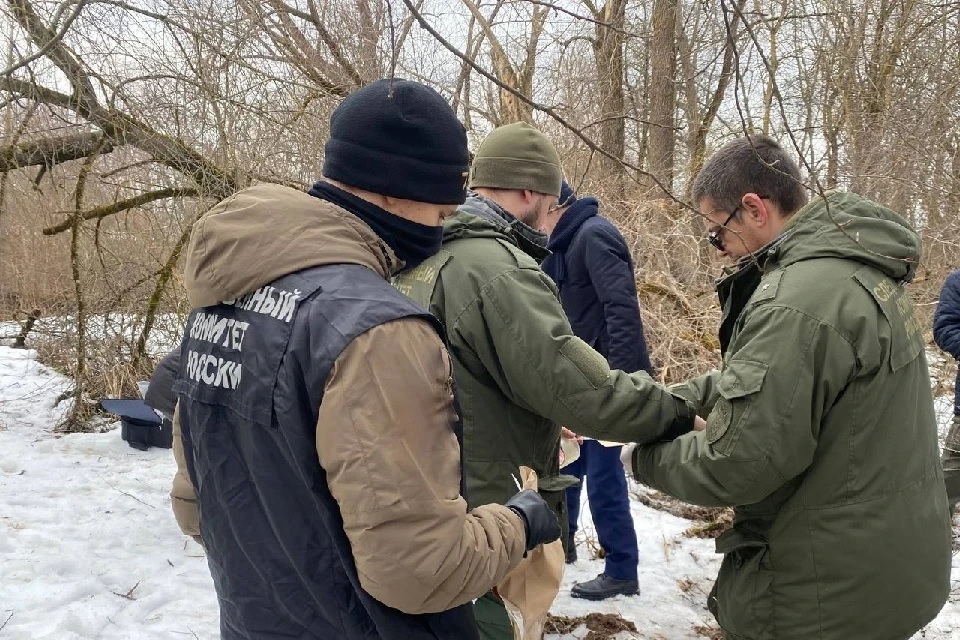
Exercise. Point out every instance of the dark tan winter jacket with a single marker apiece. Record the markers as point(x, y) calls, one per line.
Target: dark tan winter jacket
point(395, 473)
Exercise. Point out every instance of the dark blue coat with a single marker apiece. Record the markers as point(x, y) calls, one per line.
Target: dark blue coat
point(592, 267)
point(946, 325)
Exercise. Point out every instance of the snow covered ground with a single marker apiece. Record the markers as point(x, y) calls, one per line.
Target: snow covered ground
point(89, 547)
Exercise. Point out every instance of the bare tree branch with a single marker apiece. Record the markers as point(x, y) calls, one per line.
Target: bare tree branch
point(122, 205)
point(53, 48)
point(539, 107)
point(50, 151)
point(579, 16)
point(54, 41)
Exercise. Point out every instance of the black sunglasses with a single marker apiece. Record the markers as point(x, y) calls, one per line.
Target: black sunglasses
point(713, 237)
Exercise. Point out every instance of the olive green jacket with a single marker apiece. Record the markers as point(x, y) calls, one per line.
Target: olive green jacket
point(821, 433)
point(519, 369)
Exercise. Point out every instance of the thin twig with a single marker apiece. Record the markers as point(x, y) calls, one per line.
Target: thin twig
point(818, 186)
point(54, 40)
point(131, 496)
point(541, 107)
point(7, 620)
point(393, 47)
point(129, 594)
point(579, 16)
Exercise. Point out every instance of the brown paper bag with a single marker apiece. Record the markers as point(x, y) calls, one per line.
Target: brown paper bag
point(529, 590)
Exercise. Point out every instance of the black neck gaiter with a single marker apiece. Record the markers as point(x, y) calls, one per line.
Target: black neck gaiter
point(411, 241)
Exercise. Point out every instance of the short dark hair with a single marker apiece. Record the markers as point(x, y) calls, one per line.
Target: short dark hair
point(751, 164)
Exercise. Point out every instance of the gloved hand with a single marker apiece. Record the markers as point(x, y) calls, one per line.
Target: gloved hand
point(539, 521)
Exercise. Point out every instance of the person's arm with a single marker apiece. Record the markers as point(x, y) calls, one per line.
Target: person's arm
point(517, 329)
point(701, 392)
point(160, 395)
point(764, 429)
point(607, 261)
point(183, 498)
point(946, 320)
point(392, 462)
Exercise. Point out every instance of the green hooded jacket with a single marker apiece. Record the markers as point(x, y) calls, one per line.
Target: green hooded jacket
point(520, 371)
point(822, 434)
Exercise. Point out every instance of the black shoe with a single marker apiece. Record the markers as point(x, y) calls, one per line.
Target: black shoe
point(571, 555)
point(603, 587)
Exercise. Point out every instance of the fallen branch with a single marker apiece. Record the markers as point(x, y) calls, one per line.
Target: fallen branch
point(7, 620)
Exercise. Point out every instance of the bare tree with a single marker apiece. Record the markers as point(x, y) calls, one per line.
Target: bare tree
point(663, 90)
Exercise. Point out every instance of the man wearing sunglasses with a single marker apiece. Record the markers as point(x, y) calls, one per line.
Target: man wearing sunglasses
point(820, 424)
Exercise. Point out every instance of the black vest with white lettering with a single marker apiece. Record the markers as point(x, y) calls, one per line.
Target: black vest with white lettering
point(250, 386)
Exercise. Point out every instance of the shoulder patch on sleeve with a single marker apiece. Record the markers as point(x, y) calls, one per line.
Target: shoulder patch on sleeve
point(588, 362)
point(719, 421)
point(739, 380)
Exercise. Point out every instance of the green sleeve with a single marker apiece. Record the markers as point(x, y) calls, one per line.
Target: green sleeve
point(518, 330)
point(701, 392)
point(782, 375)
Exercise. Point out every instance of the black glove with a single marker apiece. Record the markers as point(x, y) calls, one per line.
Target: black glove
point(684, 422)
point(539, 521)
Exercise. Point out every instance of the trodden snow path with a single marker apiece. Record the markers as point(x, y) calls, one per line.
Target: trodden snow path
point(89, 547)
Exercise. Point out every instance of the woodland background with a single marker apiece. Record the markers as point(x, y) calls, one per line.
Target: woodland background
point(123, 121)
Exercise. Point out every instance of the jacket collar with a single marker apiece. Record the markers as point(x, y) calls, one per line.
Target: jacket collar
point(530, 241)
point(570, 222)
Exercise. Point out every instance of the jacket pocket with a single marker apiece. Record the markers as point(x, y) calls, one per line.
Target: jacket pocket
point(742, 600)
point(739, 380)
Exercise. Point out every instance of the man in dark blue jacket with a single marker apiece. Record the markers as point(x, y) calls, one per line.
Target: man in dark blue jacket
point(591, 265)
point(946, 331)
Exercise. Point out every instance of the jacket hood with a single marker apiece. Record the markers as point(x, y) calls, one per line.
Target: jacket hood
point(845, 225)
point(480, 217)
point(570, 222)
point(268, 231)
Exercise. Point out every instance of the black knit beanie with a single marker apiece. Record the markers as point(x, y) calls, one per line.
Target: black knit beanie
point(398, 138)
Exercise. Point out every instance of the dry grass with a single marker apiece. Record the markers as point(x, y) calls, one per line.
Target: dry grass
point(708, 631)
point(709, 522)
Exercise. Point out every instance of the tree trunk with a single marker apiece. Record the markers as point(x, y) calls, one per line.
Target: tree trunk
point(663, 91)
point(608, 49)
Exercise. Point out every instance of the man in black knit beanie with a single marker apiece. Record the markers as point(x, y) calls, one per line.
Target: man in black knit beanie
point(315, 433)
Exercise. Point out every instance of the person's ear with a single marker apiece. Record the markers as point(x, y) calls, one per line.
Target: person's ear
point(755, 208)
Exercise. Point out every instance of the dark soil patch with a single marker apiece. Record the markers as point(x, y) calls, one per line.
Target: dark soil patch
point(602, 626)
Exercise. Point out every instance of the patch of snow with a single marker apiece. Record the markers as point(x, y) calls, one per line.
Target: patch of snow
point(90, 548)
point(85, 520)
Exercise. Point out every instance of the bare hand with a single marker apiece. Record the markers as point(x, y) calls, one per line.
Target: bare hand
point(699, 424)
point(566, 434)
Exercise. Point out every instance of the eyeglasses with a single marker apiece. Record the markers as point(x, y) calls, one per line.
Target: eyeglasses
point(713, 237)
